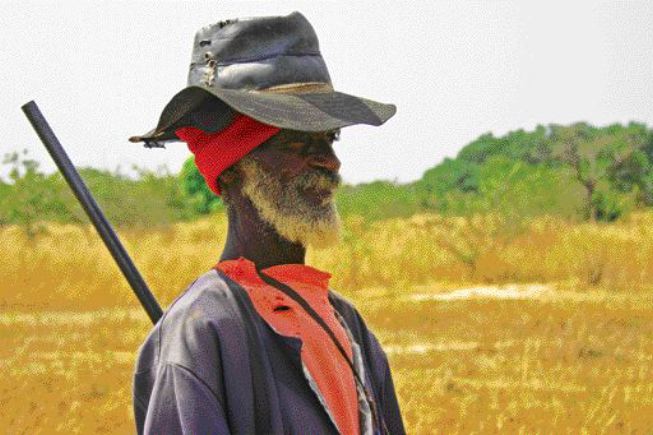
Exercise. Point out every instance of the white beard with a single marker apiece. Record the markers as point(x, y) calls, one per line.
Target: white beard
point(285, 208)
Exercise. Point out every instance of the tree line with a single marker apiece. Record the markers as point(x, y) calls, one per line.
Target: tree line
point(577, 171)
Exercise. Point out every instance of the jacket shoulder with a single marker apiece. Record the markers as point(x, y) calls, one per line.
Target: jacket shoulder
point(189, 338)
point(190, 322)
point(377, 361)
point(370, 345)
point(350, 313)
point(343, 305)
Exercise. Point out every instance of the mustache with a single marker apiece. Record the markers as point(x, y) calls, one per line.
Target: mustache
point(319, 179)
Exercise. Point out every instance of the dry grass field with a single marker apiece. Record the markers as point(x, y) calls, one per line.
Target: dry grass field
point(566, 348)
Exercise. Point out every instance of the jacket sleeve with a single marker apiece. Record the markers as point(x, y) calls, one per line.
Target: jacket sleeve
point(389, 403)
point(181, 403)
point(388, 406)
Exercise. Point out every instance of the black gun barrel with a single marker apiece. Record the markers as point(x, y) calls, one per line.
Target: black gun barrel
point(93, 211)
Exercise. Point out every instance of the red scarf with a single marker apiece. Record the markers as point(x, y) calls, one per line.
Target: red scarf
point(215, 152)
point(335, 380)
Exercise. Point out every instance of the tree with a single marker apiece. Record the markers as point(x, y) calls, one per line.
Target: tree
point(607, 166)
point(201, 198)
point(32, 196)
point(450, 175)
point(584, 174)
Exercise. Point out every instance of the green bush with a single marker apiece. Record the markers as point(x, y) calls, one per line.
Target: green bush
point(577, 171)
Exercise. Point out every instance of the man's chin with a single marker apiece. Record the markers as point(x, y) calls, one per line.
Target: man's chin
point(318, 231)
point(305, 216)
point(326, 237)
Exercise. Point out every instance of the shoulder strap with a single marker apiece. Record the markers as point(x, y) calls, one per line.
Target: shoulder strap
point(294, 295)
point(352, 320)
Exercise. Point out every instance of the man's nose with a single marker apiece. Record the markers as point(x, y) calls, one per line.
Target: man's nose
point(325, 158)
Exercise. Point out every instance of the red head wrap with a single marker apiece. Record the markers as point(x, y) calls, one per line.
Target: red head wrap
point(215, 152)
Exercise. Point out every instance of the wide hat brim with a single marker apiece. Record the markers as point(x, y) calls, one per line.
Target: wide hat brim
point(304, 111)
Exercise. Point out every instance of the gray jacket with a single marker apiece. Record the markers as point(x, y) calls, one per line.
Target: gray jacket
point(195, 372)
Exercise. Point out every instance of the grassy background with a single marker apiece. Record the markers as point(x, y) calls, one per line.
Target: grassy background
point(573, 358)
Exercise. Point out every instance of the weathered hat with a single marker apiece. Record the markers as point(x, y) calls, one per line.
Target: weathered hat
point(268, 68)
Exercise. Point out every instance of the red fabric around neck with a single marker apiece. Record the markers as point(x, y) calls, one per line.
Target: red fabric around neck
point(334, 378)
point(215, 152)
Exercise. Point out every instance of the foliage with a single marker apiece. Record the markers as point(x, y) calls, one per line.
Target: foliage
point(31, 196)
point(450, 175)
point(579, 172)
point(377, 200)
point(196, 192)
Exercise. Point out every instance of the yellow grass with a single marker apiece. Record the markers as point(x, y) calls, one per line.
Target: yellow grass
point(575, 355)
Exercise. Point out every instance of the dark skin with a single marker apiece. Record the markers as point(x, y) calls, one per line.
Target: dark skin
point(288, 154)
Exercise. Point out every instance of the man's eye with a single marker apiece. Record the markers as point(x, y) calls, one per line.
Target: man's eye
point(334, 136)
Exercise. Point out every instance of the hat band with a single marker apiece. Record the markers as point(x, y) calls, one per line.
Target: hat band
point(299, 88)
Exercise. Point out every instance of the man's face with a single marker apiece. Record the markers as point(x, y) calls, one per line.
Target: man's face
point(291, 180)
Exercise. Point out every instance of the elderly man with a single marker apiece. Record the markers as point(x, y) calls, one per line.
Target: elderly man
point(260, 343)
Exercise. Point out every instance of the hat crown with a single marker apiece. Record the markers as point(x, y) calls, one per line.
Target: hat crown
point(257, 53)
point(234, 59)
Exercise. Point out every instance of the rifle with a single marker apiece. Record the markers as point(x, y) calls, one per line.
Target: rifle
point(92, 209)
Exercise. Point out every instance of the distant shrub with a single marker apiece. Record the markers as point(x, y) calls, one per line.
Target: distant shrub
point(577, 172)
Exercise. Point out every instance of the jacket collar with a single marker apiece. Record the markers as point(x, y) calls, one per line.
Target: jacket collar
point(297, 273)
